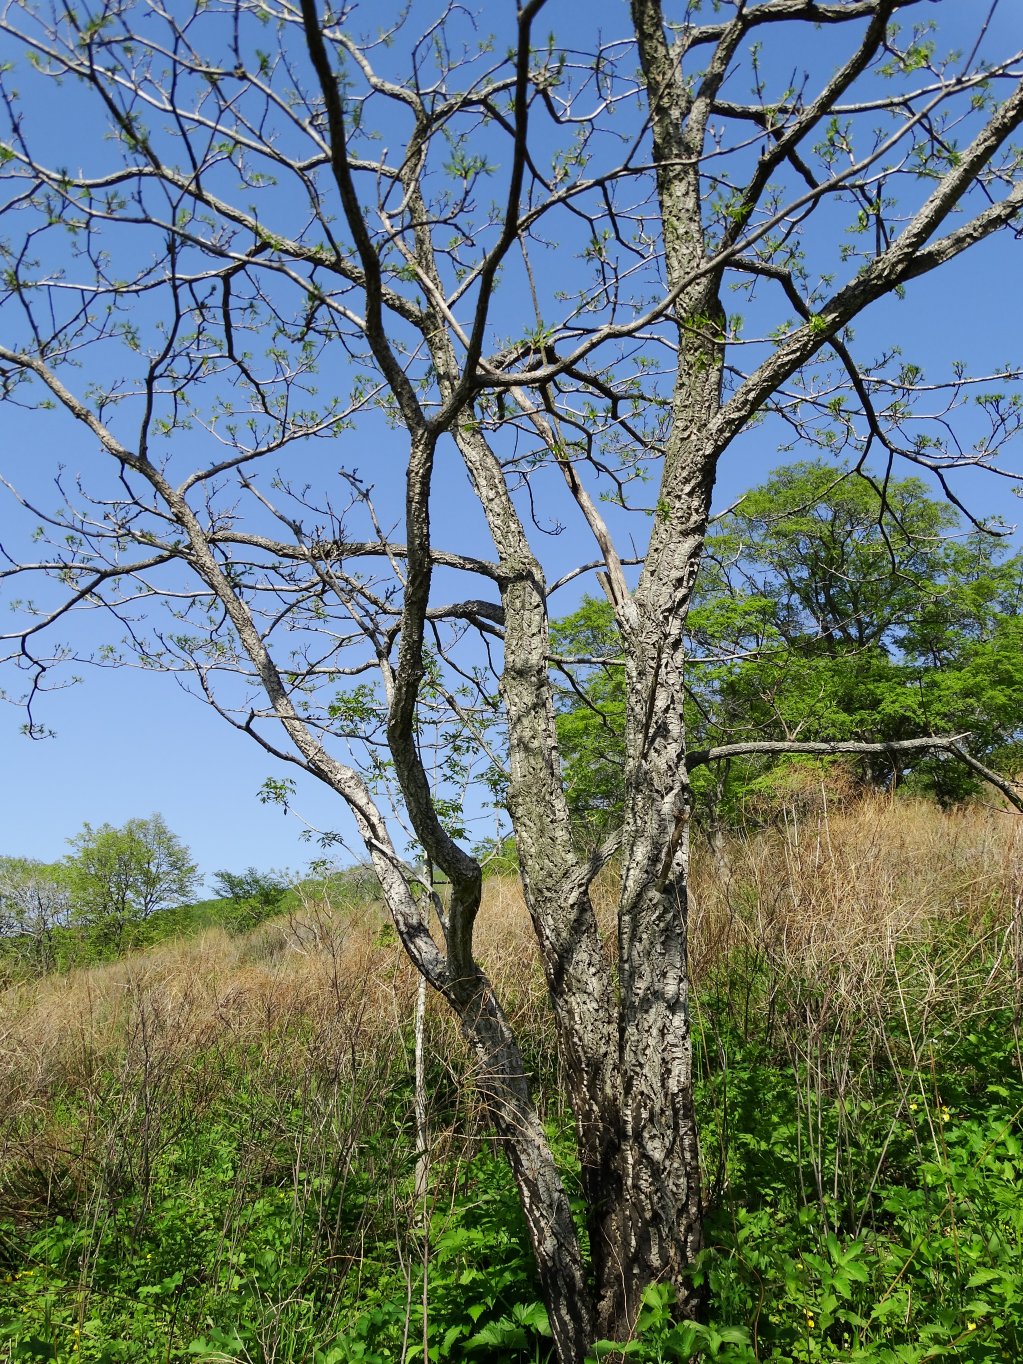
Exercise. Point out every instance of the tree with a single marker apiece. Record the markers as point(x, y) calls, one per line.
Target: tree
point(120, 877)
point(884, 621)
point(828, 608)
point(35, 905)
point(255, 895)
point(495, 265)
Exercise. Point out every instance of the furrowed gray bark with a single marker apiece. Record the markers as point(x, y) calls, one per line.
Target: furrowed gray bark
point(556, 881)
point(660, 1157)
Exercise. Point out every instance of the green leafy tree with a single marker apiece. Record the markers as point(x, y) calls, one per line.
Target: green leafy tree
point(853, 611)
point(828, 609)
point(591, 724)
point(120, 877)
point(254, 895)
point(35, 909)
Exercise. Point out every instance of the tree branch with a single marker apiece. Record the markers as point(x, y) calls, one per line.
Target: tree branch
point(1011, 790)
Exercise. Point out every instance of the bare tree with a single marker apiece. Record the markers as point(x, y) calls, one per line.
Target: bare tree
point(495, 261)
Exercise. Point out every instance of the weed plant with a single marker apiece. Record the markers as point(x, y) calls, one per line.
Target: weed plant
point(207, 1148)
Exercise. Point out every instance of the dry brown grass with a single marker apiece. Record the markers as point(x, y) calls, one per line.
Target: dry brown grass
point(94, 1064)
point(843, 892)
point(837, 883)
point(309, 1015)
point(856, 947)
point(861, 880)
point(863, 896)
point(847, 936)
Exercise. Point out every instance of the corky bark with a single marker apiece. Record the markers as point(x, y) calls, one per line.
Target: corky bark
point(660, 1158)
point(556, 885)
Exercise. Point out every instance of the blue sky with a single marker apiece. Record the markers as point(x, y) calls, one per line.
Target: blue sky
point(129, 744)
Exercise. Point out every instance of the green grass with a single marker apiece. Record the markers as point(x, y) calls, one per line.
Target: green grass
point(279, 1231)
point(211, 1156)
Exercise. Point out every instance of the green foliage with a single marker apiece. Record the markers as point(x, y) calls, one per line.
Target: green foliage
point(120, 877)
point(128, 888)
point(868, 616)
point(931, 1266)
point(253, 895)
point(660, 1336)
point(253, 1241)
point(825, 610)
point(479, 1276)
point(341, 887)
point(498, 860)
point(591, 726)
point(35, 909)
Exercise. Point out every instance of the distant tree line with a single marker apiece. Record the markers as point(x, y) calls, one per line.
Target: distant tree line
point(123, 888)
point(101, 895)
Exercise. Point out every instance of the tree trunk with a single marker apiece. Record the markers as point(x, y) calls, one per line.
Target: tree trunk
point(660, 1156)
point(501, 1081)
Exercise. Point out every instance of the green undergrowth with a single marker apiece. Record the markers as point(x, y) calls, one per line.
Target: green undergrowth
point(259, 1230)
point(886, 1227)
point(253, 1202)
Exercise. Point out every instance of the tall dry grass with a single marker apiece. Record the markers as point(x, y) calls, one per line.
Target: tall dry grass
point(858, 882)
point(857, 947)
point(846, 941)
point(296, 1037)
point(862, 909)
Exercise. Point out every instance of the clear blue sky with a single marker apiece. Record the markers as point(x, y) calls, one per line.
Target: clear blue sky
point(130, 744)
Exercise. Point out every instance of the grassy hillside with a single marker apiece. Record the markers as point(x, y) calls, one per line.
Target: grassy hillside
point(207, 1148)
